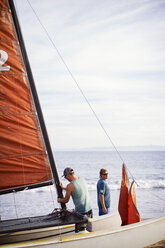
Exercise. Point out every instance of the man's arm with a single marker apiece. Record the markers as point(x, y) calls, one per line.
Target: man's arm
point(62, 186)
point(102, 203)
point(69, 190)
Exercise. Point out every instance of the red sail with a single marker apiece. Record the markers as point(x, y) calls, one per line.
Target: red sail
point(133, 214)
point(123, 199)
point(23, 158)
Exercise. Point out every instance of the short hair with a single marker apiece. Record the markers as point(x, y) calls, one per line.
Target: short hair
point(103, 171)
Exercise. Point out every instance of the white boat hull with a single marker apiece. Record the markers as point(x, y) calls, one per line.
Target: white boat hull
point(106, 233)
point(96, 224)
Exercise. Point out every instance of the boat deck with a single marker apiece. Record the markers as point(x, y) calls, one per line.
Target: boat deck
point(136, 235)
point(55, 219)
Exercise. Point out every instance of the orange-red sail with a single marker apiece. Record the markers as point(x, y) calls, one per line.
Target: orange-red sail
point(127, 201)
point(133, 214)
point(23, 158)
point(123, 199)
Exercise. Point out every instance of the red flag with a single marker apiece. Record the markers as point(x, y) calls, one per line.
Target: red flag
point(133, 214)
point(123, 199)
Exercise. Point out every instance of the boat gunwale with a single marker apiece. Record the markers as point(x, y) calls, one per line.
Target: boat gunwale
point(82, 236)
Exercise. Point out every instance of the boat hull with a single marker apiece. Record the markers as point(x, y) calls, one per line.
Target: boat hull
point(95, 225)
point(106, 233)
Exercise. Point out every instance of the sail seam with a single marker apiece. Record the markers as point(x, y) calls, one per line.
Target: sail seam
point(5, 10)
point(9, 41)
point(18, 114)
point(13, 73)
point(24, 155)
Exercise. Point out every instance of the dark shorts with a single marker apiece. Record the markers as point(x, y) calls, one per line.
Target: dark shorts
point(84, 226)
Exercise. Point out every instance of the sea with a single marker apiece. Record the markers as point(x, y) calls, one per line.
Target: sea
point(147, 168)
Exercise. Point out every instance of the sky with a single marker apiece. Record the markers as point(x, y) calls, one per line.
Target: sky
point(115, 50)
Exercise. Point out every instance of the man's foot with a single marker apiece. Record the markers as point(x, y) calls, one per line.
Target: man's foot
point(84, 231)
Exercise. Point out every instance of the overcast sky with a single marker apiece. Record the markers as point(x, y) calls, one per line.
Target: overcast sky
point(116, 52)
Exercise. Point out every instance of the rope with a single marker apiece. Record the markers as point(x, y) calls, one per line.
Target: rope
point(81, 91)
point(51, 194)
point(15, 204)
point(94, 113)
point(79, 88)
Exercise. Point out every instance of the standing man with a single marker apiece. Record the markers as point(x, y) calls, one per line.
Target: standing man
point(103, 193)
point(77, 188)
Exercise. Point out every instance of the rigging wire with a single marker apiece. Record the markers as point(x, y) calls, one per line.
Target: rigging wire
point(97, 118)
point(81, 91)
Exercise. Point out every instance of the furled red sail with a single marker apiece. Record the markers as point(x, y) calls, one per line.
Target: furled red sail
point(133, 214)
point(127, 201)
point(23, 158)
point(123, 199)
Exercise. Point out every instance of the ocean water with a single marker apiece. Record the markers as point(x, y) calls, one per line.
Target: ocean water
point(146, 167)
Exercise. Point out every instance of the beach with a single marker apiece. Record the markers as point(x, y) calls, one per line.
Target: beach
point(160, 244)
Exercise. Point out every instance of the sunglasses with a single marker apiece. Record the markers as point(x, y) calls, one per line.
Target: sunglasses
point(105, 174)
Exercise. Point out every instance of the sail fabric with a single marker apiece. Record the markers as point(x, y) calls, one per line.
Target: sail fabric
point(123, 198)
point(127, 201)
point(133, 214)
point(23, 158)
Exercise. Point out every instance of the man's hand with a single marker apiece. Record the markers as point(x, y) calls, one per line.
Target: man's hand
point(69, 189)
point(59, 200)
point(62, 186)
point(104, 210)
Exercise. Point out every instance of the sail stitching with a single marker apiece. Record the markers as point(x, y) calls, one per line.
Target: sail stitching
point(24, 155)
point(36, 121)
point(18, 114)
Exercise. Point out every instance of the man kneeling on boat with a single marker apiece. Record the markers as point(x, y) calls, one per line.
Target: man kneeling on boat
point(77, 188)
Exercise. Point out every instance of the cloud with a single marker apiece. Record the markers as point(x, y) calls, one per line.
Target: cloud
point(115, 51)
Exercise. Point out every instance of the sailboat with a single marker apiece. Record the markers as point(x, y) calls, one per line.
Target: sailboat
point(26, 162)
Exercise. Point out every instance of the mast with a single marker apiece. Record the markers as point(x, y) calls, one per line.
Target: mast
point(36, 101)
